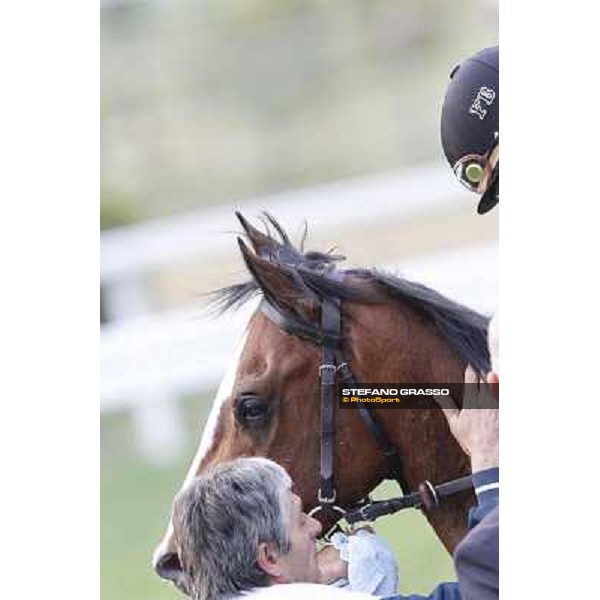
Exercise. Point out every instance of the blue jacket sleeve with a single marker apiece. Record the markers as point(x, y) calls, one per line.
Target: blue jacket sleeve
point(487, 490)
point(444, 591)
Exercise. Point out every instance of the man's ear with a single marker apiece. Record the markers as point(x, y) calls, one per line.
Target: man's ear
point(268, 562)
point(281, 285)
point(494, 381)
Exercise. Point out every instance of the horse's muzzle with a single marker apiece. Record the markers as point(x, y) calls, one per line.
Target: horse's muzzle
point(166, 564)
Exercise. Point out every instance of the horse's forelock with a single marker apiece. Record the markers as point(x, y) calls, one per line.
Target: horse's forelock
point(462, 328)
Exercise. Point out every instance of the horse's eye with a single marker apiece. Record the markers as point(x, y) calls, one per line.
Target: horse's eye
point(251, 408)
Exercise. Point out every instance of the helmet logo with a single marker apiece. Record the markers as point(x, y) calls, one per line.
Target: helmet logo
point(485, 97)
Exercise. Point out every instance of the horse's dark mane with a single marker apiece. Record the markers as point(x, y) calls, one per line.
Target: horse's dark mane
point(463, 329)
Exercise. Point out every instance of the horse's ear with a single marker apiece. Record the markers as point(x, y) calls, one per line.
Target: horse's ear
point(281, 286)
point(262, 244)
point(267, 246)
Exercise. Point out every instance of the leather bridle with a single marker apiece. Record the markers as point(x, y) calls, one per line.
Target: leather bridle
point(330, 338)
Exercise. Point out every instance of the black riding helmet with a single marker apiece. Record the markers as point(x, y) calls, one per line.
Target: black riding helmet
point(470, 125)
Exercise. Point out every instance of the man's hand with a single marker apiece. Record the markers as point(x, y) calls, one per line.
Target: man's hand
point(475, 427)
point(332, 567)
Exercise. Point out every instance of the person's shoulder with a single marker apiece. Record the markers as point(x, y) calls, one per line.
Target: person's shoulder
point(301, 591)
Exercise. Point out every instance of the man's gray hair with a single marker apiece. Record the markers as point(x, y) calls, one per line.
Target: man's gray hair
point(220, 519)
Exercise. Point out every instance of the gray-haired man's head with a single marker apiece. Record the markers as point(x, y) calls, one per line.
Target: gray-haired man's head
point(238, 526)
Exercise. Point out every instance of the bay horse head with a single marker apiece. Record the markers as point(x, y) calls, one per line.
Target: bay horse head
point(269, 402)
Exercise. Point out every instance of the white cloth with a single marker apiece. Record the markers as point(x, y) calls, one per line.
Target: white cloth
point(372, 566)
point(304, 591)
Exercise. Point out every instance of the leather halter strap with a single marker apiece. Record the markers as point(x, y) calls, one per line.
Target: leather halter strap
point(290, 323)
point(396, 468)
point(329, 338)
point(330, 321)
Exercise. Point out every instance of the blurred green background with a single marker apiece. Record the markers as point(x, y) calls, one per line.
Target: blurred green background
point(213, 102)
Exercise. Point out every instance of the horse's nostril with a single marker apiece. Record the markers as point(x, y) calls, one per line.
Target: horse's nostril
point(168, 566)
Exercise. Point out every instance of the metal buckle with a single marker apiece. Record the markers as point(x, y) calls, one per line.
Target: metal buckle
point(327, 373)
point(324, 500)
point(325, 539)
point(320, 507)
point(364, 517)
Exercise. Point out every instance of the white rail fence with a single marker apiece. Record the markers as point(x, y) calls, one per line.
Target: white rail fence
point(149, 360)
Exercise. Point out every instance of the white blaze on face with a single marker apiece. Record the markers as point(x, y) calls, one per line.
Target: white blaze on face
point(223, 393)
point(206, 442)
